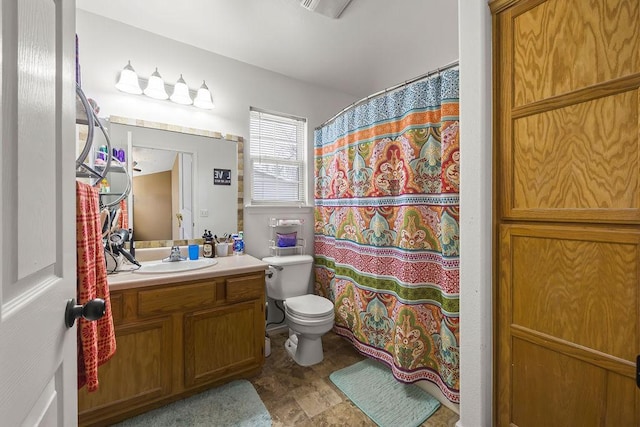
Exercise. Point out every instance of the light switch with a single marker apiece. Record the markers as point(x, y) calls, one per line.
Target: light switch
point(204, 212)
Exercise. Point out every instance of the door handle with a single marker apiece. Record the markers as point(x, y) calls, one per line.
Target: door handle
point(179, 216)
point(92, 310)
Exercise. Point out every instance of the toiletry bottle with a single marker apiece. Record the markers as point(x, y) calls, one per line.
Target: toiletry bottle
point(207, 247)
point(104, 186)
point(102, 154)
point(238, 243)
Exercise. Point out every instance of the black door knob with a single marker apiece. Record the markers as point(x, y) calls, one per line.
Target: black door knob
point(92, 310)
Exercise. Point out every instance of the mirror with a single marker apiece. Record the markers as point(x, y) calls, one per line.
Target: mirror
point(162, 193)
point(184, 181)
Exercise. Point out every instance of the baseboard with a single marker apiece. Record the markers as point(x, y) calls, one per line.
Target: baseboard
point(434, 391)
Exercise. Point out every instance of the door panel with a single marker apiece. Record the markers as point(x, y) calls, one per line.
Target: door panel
point(567, 163)
point(572, 334)
point(586, 277)
point(582, 157)
point(564, 45)
point(545, 385)
point(143, 360)
point(221, 341)
point(38, 378)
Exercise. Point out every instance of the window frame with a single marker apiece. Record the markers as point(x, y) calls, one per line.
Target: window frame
point(301, 162)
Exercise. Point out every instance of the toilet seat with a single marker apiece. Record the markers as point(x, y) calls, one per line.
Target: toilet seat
point(309, 307)
point(309, 322)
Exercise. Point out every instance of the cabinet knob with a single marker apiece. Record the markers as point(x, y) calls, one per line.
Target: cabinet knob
point(92, 310)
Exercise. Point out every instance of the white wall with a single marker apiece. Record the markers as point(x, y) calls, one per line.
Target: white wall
point(476, 365)
point(106, 45)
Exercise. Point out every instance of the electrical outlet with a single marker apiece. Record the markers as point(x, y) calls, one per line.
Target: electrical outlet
point(204, 212)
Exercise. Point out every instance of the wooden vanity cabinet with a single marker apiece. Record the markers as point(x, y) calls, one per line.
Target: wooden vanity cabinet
point(176, 340)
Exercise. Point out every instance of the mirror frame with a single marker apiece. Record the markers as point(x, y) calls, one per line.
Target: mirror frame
point(140, 244)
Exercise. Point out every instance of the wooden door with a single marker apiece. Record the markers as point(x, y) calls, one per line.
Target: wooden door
point(185, 178)
point(38, 379)
point(567, 212)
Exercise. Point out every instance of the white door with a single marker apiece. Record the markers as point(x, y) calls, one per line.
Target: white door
point(186, 196)
point(38, 380)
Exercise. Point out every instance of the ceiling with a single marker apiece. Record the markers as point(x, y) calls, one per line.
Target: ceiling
point(152, 160)
point(373, 45)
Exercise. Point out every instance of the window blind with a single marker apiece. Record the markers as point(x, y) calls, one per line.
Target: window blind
point(277, 157)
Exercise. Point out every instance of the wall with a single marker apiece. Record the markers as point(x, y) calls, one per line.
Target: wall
point(476, 364)
point(106, 45)
point(152, 209)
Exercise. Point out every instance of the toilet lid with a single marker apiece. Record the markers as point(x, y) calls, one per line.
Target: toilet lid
point(309, 306)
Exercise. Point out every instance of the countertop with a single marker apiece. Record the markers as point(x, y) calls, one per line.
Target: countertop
point(226, 266)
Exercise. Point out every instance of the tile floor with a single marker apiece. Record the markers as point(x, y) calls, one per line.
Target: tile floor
point(299, 396)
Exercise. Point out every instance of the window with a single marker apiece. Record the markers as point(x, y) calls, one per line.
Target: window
point(277, 156)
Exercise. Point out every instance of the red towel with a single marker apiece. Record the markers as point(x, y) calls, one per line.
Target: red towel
point(123, 220)
point(96, 340)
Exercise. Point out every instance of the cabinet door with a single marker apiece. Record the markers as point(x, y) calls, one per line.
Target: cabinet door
point(222, 342)
point(138, 373)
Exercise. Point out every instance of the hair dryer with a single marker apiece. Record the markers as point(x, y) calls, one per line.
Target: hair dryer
point(115, 242)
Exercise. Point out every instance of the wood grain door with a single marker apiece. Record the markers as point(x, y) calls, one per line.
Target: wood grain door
point(567, 212)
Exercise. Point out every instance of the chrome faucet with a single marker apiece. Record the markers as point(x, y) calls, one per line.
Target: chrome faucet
point(175, 255)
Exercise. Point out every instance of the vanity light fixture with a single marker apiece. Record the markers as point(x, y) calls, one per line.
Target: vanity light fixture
point(128, 81)
point(203, 98)
point(155, 86)
point(180, 93)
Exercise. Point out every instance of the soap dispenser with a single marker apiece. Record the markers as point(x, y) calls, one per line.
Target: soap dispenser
point(207, 247)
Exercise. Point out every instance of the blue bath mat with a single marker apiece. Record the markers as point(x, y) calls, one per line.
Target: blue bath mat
point(388, 402)
point(234, 404)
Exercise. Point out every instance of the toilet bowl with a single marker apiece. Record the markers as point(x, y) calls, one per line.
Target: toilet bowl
point(308, 316)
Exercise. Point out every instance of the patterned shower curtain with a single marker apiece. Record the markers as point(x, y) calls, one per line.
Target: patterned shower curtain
point(386, 228)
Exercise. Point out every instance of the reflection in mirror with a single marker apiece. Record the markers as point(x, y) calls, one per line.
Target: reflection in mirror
point(162, 194)
point(187, 159)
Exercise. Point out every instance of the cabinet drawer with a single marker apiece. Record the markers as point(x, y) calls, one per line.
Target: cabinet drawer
point(245, 287)
point(176, 298)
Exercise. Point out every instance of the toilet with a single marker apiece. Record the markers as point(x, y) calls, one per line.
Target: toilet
point(308, 316)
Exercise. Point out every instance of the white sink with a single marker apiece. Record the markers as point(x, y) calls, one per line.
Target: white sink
point(159, 267)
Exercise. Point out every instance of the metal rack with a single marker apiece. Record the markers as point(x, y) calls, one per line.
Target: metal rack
point(283, 225)
point(86, 166)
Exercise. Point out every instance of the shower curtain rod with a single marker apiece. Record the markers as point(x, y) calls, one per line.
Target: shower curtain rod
point(389, 89)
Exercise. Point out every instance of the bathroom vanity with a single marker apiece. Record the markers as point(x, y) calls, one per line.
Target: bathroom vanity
point(178, 334)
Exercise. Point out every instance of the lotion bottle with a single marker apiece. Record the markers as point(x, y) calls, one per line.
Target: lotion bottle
point(207, 247)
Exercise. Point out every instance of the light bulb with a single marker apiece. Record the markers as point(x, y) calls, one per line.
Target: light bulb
point(203, 98)
point(155, 86)
point(128, 81)
point(180, 93)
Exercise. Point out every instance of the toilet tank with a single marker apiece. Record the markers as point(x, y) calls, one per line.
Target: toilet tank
point(290, 276)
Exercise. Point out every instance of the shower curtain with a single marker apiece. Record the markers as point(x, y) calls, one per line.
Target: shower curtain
point(386, 228)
